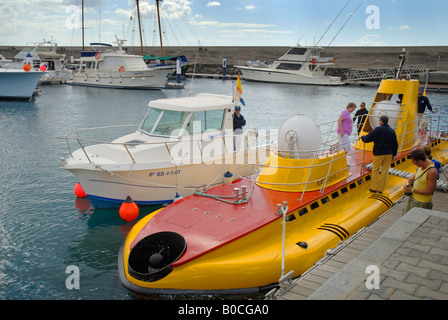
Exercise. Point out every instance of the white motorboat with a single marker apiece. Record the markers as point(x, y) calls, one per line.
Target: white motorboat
point(300, 65)
point(182, 143)
point(4, 61)
point(110, 67)
point(43, 56)
point(18, 84)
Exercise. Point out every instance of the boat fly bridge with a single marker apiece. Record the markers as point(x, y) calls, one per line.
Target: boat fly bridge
point(180, 144)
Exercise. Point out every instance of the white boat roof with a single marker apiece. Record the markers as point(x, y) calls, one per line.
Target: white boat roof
point(202, 101)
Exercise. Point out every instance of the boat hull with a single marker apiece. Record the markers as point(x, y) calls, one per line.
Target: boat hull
point(279, 76)
point(251, 262)
point(145, 79)
point(18, 85)
point(109, 186)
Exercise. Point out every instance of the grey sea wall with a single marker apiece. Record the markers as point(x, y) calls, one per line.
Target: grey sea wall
point(208, 59)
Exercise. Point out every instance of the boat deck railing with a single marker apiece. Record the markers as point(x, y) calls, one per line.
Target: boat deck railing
point(107, 134)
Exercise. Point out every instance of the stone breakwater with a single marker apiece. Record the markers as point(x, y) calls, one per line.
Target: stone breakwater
point(208, 59)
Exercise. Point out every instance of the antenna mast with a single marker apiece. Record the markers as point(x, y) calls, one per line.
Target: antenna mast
point(82, 13)
point(160, 29)
point(332, 22)
point(139, 25)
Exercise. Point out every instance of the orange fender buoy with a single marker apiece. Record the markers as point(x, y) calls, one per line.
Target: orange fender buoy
point(79, 192)
point(27, 67)
point(129, 210)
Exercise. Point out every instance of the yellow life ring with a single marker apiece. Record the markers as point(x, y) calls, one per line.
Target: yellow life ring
point(97, 55)
point(121, 69)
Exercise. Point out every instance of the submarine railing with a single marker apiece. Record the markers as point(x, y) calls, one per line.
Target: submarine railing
point(285, 281)
point(327, 148)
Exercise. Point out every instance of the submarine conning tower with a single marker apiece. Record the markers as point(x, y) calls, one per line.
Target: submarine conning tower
point(398, 100)
point(303, 162)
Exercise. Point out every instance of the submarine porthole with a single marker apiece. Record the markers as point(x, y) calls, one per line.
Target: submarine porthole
point(303, 211)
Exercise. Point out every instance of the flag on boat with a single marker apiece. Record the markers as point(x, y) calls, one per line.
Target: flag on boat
point(239, 91)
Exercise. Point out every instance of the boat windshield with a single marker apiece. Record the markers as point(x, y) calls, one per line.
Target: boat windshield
point(176, 123)
point(298, 51)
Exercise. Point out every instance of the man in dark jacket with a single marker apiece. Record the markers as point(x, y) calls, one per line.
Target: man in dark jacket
point(385, 147)
point(238, 121)
point(423, 103)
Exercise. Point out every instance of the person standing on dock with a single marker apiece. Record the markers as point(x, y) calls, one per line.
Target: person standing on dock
point(422, 184)
point(345, 127)
point(423, 102)
point(385, 147)
point(361, 115)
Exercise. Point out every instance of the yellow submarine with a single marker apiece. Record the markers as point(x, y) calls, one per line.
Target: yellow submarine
point(231, 239)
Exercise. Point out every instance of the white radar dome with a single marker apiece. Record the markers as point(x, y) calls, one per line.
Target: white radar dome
point(384, 108)
point(299, 137)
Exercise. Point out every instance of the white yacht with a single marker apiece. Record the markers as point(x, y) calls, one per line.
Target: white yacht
point(109, 67)
point(18, 84)
point(181, 144)
point(43, 56)
point(300, 65)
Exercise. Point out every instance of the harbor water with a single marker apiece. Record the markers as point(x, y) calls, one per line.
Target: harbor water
point(46, 232)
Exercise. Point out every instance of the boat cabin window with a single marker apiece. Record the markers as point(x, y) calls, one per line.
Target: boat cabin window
point(129, 62)
point(169, 123)
point(205, 120)
point(297, 51)
point(90, 65)
point(289, 66)
point(164, 122)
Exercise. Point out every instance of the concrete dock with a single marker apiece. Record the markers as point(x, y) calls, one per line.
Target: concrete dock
point(398, 257)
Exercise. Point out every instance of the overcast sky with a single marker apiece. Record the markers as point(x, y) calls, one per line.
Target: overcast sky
point(229, 22)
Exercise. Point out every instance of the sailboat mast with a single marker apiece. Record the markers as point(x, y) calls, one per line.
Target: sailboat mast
point(82, 14)
point(139, 26)
point(160, 29)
